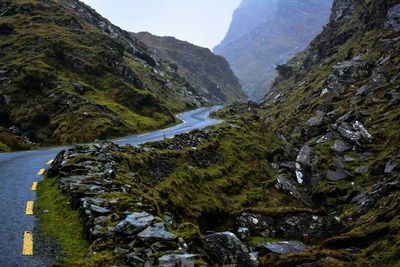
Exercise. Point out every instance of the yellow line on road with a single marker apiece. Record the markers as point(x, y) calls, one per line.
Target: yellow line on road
point(29, 208)
point(50, 162)
point(41, 172)
point(34, 186)
point(27, 248)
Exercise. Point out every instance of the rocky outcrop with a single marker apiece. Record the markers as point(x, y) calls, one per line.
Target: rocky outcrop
point(208, 73)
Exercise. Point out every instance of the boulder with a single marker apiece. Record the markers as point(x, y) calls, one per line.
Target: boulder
point(317, 120)
point(285, 184)
point(340, 173)
point(280, 247)
point(227, 250)
point(55, 165)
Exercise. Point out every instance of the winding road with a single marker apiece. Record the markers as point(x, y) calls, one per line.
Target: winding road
point(19, 170)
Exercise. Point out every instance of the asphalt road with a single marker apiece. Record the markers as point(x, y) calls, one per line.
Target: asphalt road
point(19, 170)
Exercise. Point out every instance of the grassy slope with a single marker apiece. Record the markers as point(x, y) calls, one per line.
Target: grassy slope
point(50, 45)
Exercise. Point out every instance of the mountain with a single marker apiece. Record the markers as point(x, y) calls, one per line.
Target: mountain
point(68, 75)
point(308, 177)
point(208, 73)
point(266, 33)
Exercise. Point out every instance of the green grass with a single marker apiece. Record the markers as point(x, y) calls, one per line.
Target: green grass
point(60, 221)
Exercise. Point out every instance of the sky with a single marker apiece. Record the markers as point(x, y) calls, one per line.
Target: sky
point(201, 22)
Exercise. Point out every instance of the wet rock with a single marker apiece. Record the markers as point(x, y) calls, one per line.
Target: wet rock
point(226, 249)
point(173, 260)
point(390, 166)
point(393, 18)
point(156, 232)
point(340, 146)
point(135, 222)
point(290, 224)
point(280, 247)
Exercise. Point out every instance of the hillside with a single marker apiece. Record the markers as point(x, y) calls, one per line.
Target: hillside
point(266, 33)
point(208, 73)
point(68, 75)
point(310, 177)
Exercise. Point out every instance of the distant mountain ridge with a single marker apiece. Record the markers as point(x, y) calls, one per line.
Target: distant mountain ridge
point(208, 73)
point(266, 33)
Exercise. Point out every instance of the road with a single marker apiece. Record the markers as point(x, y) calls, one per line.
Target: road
point(19, 170)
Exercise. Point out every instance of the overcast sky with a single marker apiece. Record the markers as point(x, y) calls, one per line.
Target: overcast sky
point(201, 22)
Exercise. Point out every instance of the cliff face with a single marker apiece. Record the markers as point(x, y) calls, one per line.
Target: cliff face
point(266, 33)
point(208, 73)
point(69, 75)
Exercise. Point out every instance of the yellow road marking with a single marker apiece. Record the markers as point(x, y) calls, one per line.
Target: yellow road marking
point(50, 162)
point(29, 208)
point(41, 172)
point(34, 186)
point(27, 248)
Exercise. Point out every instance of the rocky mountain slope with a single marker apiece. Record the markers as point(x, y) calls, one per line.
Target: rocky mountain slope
point(68, 75)
point(266, 33)
point(208, 73)
point(309, 177)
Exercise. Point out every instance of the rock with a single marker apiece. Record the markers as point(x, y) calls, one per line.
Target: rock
point(357, 134)
point(156, 232)
point(390, 166)
point(363, 132)
point(15, 130)
point(54, 168)
point(80, 88)
point(339, 174)
point(289, 224)
point(226, 249)
point(173, 260)
point(362, 170)
point(393, 18)
point(135, 222)
point(280, 247)
point(340, 146)
point(317, 120)
point(304, 155)
point(348, 72)
point(243, 233)
point(99, 210)
point(286, 185)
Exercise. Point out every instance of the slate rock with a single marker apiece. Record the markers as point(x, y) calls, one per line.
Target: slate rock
point(390, 166)
point(135, 222)
point(362, 170)
point(280, 247)
point(226, 249)
point(393, 18)
point(156, 232)
point(341, 146)
point(173, 260)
